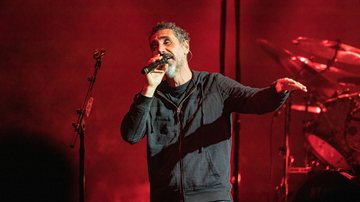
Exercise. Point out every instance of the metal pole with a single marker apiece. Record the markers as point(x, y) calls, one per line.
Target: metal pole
point(237, 128)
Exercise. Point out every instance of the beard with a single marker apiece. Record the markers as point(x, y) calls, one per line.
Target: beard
point(171, 71)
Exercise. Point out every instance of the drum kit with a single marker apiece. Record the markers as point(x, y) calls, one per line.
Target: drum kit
point(333, 100)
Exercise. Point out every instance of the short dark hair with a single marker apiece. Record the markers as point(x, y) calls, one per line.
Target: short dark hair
point(180, 33)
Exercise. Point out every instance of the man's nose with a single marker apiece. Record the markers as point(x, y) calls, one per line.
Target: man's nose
point(161, 53)
point(161, 49)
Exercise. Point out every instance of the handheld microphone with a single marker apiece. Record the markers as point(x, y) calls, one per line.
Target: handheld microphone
point(164, 60)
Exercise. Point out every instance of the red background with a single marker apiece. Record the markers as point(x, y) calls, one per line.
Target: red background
point(46, 57)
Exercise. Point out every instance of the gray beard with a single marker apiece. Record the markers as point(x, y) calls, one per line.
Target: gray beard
point(171, 71)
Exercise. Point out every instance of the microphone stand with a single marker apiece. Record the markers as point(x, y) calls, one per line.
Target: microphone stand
point(287, 147)
point(79, 126)
point(283, 188)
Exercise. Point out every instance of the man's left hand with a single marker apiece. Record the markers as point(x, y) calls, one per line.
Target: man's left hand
point(287, 84)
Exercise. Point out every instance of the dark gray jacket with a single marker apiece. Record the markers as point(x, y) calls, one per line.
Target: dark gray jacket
point(188, 146)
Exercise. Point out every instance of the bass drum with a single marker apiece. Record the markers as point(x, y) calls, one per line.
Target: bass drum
point(326, 135)
point(327, 186)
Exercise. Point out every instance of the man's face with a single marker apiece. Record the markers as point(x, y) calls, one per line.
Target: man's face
point(165, 41)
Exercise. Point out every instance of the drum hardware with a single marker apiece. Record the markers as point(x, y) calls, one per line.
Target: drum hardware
point(297, 170)
point(334, 137)
point(341, 96)
point(300, 170)
point(310, 109)
point(320, 79)
point(333, 134)
point(352, 139)
point(349, 81)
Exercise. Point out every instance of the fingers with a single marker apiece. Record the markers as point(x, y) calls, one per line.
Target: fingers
point(154, 78)
point(295, 85)
point(154, 58)
point(160, 68)
point(290, 85)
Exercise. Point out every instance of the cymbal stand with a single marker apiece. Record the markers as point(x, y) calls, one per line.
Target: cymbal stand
point(329, 63)
point(79, 126)
point(333, 59)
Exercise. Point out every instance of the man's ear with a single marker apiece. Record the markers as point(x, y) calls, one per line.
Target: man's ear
point(186, 46)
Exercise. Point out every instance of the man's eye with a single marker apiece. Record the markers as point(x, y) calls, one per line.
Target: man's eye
point(167, 41)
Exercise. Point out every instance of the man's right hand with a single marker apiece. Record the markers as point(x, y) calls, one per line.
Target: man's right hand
point(153, 78)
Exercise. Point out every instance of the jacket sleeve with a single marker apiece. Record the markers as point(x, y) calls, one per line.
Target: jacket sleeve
point(245, 99)
point(133, 125)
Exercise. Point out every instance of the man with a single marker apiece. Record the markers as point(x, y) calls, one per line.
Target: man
point(186, 118)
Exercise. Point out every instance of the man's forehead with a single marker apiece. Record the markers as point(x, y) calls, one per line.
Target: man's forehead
point(163, 33)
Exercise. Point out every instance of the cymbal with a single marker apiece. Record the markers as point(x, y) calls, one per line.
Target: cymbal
point(277, 53)
point(297, 66)
point(302, 69)
point(327, 49)
point(285, 58)
point(331, 73)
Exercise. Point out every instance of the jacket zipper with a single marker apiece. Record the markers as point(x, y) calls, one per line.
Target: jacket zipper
point(181, 138)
